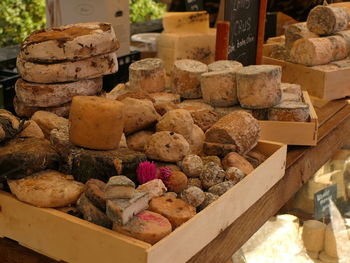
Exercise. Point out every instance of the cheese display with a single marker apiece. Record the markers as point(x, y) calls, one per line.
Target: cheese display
point(147, 74)
point(70, 42)
point(185, 78)
point(326, 20)
point(194, 45)
point(258, 87)
point(219, 88)
point(86, 126)
point(186, 22)
point(50, 95)
point(47, 189)
point(147, 226)
point(297, 31)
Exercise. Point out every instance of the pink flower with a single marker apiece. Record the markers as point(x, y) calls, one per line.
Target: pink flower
point(165, 174)
point(146, 171)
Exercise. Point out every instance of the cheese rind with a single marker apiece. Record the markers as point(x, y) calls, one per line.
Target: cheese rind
point(221, 65)
point(258, 87)
point(96, 123)
point(327, 20)
point(53, 95)
point(219, 88)
point(186, 22)
point(290, 111)
point(185, 78)
point(147, 74)
point(119, 187)
point(297, 31)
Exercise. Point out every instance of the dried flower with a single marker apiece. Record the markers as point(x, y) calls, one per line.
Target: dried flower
point(146, 171)
point(164, 174)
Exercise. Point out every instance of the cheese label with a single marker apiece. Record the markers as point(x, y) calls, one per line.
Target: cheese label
point(322, 200)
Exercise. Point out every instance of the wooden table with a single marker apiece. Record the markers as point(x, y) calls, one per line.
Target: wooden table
point(302, 163)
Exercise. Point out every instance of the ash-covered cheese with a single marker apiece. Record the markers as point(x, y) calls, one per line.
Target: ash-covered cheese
point(297, 31)
point(290, 111)
point(22, 110)
point(192, 165)
point(221, 188)
point(175, 210)
point(50, 95)
point(258, 87)
point(212, 174)
point(221, 65)
point(209, 198)
point(147, 74)
point(121, 211)
point(96, 123)
point(179, 121)
point(312, 51)
point(238, 128)
point(87, 68)
point(327, 20)
point(139, 114)
point(219, 88)
point(147, 226)
point(186, 22)
point(198, 46)
point(167, 146)
point(185, 78)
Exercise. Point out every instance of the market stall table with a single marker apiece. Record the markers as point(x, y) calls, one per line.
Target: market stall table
point(302, 163)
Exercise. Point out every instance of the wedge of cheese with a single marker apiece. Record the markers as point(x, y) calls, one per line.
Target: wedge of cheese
point(198, 46)
point(186, 22)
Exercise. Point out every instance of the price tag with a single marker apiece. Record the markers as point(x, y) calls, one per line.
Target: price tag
point(321, 200)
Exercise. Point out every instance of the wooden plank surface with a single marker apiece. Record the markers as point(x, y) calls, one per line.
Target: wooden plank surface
point(302, 163)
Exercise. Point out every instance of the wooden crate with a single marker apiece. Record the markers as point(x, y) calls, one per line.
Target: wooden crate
point(292, 133)
point(70, 239)
point(328, 85)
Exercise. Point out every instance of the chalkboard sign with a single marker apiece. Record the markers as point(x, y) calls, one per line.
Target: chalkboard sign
point(247, 18)
point(321, 199)
point(194, 5)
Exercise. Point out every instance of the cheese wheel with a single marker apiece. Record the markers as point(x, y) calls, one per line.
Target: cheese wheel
point(279, 51)
point(167, 146)
point(312, 51)
point(219, 88)
point(47, 189)
point(345, 34)
point(139, 114)
point(325, 258)
point(96, 123)
point(23, 110)
point(175, 210)
point(185, 78)
point(297, 31)
point(290, 111)
point(314, 235)
point(179, 121)
point(340, 47)
point(221, 65)
point(238, 128)
point(327, 20)
point(70, 42)
point(258, 87)
point(164, 97)
point(147, 226)
point(50, 95)
point(147, 74)
point(65, 71)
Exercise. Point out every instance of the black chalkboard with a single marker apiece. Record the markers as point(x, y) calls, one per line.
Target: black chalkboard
point(244, 18)
point(194, 5)
point(321, 200)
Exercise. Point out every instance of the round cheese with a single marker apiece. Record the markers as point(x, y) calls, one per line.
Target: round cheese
point(313, 235)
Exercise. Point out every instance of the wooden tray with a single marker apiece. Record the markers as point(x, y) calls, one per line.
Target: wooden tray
point(328, 85)
point(70, 239)
point(292, 133)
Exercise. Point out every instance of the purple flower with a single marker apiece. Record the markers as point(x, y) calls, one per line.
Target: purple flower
point(146, 171)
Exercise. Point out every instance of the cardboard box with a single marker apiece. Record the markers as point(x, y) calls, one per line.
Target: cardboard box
point(70, 239)
point(116, 12)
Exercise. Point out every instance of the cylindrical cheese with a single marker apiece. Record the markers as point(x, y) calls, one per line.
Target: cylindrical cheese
point(297, 31)
point(219, 88)
point(185, 78)
point(87, 68)
point(314, 235)
point(326, 20)
point(221, 65)
point(289, 111)
point(147, 74)
point(258, 87)
point(96, 123)
point(312, 51)
point(50, 95)
point(340, 47)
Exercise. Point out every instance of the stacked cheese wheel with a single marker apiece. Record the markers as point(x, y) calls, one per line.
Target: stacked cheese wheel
point(62, 62)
